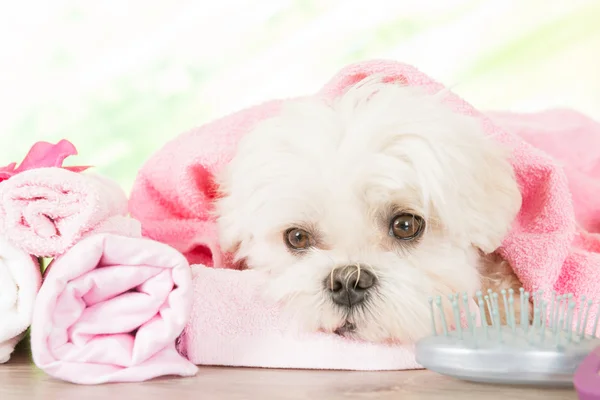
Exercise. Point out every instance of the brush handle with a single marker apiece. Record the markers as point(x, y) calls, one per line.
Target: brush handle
point(587, 377)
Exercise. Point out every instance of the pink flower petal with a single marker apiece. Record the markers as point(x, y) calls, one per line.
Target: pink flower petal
point(7, 172)
point(44, 154)
point(75, 168)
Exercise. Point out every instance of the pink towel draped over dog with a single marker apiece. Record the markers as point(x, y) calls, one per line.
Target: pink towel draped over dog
point(553, 244)
point(111, 309)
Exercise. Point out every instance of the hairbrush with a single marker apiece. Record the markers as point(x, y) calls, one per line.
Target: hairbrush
point(543, 351)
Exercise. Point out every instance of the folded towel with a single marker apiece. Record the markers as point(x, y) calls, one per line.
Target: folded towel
point(110, 310)
point(232, 324)
point(548, 250)
point(45, 211)
point(20, 280)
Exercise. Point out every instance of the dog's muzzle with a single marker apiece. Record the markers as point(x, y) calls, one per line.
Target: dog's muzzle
point(349, 285)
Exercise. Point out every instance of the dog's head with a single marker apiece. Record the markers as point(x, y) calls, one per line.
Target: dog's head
point(363, 208)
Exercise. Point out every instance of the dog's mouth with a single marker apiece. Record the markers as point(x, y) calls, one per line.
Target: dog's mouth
point(346, 329)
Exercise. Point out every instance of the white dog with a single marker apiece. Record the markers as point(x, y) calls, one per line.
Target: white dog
point(362, 208)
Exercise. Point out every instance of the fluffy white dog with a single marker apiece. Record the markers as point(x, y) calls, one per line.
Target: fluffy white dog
point(362, 208)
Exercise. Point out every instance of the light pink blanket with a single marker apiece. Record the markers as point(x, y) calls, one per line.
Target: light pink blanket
point(231, 324)
point(110, 310)
point(553, 244)
point(45, 211)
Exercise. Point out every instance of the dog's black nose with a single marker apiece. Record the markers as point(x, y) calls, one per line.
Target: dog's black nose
point(349, 285)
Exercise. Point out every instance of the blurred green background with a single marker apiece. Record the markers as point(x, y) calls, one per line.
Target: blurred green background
point(119, 79)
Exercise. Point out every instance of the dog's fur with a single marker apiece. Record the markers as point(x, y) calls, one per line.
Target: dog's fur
point(341, 171)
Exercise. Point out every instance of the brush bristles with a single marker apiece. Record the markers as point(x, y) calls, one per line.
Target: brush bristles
point(560, 318)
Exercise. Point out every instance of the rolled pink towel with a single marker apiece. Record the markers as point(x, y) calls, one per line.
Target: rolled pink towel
point(232, 324)
point(20, 280)
point(45, 211)
point(111, 309)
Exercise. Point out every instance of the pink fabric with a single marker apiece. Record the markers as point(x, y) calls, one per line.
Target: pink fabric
point(110, 310)
point(43, 155)
point(555, 244)
point(232, 324)
point(45, 211)
point(20, 280)
point(549, 246)
point(173, 192)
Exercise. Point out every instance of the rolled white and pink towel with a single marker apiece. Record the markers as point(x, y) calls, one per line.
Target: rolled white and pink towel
point(111, 309)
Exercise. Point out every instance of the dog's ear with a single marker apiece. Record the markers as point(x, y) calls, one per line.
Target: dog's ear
point(479, 194)
point(490, 198)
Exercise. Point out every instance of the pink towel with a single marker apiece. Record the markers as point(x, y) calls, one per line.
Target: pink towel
point(20, 280)
point(45, 211)
point(110, 310)
point(548, 246)
point(555, 244)
point(231, 324)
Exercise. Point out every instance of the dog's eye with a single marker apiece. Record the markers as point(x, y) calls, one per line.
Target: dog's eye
point(297, 239)
point(406, 226)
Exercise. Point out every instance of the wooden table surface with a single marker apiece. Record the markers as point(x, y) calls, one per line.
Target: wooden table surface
point(20, 379)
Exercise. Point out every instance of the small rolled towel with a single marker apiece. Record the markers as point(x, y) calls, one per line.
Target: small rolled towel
point(20, 280)
point(111, 309)
point(232, 324)
point(45, 211)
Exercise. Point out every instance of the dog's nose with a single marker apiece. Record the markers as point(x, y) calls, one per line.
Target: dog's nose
point(349, 285)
